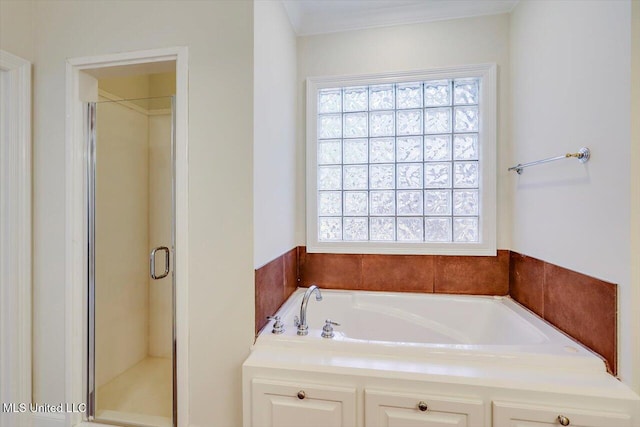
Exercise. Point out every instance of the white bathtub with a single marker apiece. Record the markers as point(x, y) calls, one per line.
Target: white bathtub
point(431, 326)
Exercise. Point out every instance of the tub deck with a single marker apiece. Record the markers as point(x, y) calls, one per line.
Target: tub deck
point(434, 327)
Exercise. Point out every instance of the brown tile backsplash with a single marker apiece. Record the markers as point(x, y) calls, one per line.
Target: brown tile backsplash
point(477, 275)
point(525, 282)
point(269, 290)
point(274, 283)
point(581, 306)
point(331, 271)
point(290, 272)
point(398, 273)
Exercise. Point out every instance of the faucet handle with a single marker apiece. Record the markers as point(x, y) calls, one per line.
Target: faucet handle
point(327, 329)
point(278, 326)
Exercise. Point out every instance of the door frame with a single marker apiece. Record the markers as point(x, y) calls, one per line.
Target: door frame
point(79, 89)
point(15, 233)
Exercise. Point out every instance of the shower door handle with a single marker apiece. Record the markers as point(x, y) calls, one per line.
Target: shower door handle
point(152, 262)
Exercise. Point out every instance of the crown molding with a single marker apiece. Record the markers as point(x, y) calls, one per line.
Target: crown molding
point(312, 17)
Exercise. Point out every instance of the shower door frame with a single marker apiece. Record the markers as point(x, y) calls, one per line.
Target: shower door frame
point(91, 135)
point(81, 88)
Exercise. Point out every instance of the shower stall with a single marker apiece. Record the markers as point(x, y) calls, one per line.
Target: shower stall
point(131, 375)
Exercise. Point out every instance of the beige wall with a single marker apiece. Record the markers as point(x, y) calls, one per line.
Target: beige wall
point(160, 209)
point(274, 127)
point(128, 87)
point(133, 311)
point(138, 88)
point(405, 48)
point(161, 84)
point(571, 82)
point(16, 28)
point(219, 36)
point(122, 235)
point(144, 91)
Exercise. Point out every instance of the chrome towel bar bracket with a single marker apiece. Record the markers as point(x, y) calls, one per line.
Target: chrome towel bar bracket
point(583, 155)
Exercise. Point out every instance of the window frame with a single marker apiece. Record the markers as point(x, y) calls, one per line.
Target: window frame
point(487, 162)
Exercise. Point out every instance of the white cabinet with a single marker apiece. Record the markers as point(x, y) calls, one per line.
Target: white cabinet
point(510, 414)
point(285, 404)
point(339, 389)
point(392, 409)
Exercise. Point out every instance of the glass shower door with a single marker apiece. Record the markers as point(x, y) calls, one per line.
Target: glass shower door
point(131, 282)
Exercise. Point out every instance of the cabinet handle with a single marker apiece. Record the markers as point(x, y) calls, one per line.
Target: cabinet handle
point(422, 406)
point(564, 421)
point(302, 394)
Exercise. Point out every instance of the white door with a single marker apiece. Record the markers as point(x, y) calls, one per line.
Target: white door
point(282, 404)
point(507, 414)
point(392, 409)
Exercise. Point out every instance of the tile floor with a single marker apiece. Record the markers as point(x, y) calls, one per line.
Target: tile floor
point(141, 395)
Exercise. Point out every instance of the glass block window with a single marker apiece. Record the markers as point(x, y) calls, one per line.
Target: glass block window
point(399, 162)
point(403, 163)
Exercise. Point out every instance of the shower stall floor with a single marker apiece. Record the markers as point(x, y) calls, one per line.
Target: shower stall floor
point(143, 394)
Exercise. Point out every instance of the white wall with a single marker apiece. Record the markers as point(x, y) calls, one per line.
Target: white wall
point(274, 124)
point(570, 74)
point(635, 186)
point(219, 36)
point(16, 28)
point(404, 48)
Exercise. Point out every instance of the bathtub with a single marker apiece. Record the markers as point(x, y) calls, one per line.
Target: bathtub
point(461, 328)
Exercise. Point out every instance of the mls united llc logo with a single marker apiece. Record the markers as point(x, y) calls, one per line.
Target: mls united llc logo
point(35, 407)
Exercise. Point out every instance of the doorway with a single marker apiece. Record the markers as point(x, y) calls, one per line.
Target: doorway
point(131, 252)
point(83, 76)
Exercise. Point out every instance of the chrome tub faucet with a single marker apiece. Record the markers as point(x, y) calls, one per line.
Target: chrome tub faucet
point(301, 323)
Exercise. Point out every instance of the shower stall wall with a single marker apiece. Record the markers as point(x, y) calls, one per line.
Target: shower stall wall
point(131, 310)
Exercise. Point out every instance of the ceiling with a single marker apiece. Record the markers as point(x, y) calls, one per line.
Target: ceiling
point(327, 16)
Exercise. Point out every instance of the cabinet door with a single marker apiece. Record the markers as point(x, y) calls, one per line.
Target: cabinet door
point(391, 409)
point(283, 404)
point(508, 414)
